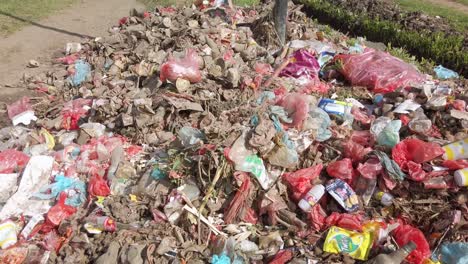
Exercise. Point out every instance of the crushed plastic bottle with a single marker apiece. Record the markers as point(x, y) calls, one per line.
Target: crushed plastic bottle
point(96, 224)
point(456, 150)
point(461, 177)
point(385, 198)
point(311, 198)
point(395, 257)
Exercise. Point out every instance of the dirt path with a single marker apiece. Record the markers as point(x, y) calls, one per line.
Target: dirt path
point(46, 39)
point(451, 4)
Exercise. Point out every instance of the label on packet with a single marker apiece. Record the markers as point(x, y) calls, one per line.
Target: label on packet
point(355, 244)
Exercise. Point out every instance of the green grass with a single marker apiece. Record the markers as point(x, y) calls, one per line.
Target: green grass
point(152, 3)
point(26, 9)
point(459, 19)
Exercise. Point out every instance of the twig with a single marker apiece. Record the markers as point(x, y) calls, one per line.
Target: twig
point(276, 73)
point(195, 212)
point(207, 196)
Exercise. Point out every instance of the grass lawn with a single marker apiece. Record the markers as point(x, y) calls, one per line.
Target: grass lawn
point(26, 9)
point(456, 17)
point(152, 3)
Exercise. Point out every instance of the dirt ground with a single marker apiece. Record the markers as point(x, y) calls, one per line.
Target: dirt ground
point(452, 4)
point(45, 40)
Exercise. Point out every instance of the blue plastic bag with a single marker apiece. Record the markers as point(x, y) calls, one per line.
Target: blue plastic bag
point(454, 253)
point(444, 73)
point(61, 184)
point(82, 71)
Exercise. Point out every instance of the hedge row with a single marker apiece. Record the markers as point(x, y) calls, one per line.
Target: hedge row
point(443, 49)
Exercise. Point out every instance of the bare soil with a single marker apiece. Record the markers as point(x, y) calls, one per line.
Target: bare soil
point(45, 40)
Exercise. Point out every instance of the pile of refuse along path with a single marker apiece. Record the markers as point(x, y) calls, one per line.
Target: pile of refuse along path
point(187, 136)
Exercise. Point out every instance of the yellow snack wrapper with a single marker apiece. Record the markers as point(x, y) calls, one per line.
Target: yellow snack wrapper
point(355, 244)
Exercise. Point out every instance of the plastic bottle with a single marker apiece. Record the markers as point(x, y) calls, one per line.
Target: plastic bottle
point(106, 223)
point(456, 150)
point(8, 234)
point(385, 199)
point(461, 177)
point(395, 257)
point(312, 197)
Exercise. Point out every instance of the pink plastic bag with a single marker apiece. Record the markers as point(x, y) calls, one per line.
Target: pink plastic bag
point(12, 159)
point(19, 107)
point(341, 169)
point(370, 169)
point(379, 71)
point(299, 182)
point(185, 68)
point(302, 64)
point(297, 106)
point(361, 116)
point(459, 105)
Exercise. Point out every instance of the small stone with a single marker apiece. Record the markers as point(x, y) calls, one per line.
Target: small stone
point(33, 64)
point(215, 71)
point(233, 77)
point(182, 85)
point(193, 24)
point(167, 22)
point(167, 244)
point(387, 108)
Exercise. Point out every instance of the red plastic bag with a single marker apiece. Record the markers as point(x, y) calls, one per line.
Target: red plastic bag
point(412, 149)
point(317, 217)
point(341, 169)
point(364, 138)
point(74, 110)
point(302, 64)
point(403, 234)
point(238, 207)
point(347, 221)
point(355, 151)
point(97, 186)
point(370, 169)
point(297, 106)
point(415, 171)
point(379, 71)
point(185, 68)
point(455, 164)
point(60, 211)
point(282, 257)
point(299, 182)
point(12, 160)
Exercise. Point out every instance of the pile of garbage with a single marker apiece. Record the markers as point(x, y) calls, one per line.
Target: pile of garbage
point(179, 138)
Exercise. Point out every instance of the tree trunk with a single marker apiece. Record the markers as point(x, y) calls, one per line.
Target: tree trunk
point(280, 13)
